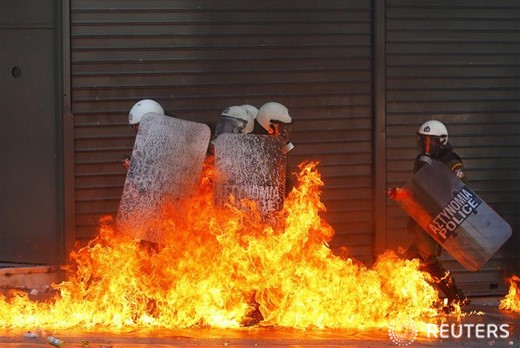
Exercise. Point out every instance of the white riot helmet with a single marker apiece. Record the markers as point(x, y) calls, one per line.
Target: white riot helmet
point(141, 108)
point(274, 118)
point(234, 119)
point(432, 137)
point(273, 113)
point(251, 110)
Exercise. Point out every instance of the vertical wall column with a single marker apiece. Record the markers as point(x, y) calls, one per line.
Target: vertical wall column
point(67, 120)
point(380, 236)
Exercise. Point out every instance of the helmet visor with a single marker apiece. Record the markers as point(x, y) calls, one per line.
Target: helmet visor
point(429, 144)
point(229, 125)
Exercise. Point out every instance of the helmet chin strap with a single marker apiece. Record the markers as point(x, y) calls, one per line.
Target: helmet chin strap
point(274, 129)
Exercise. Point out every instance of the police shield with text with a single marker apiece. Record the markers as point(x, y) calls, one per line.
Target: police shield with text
point(252, 166)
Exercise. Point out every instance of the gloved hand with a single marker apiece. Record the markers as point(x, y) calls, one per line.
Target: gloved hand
point(398, 193)
point(125, 162)
point(391, 192)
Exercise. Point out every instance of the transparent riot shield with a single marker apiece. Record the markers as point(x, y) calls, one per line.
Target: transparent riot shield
point(166, 164)
point(250, 166)
point(455, 216)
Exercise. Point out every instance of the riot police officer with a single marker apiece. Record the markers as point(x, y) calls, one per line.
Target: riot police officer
point(135, 115)
point(432, 144)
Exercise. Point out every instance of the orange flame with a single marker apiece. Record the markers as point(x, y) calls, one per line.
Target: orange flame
point(225, 266)
point(512, 300)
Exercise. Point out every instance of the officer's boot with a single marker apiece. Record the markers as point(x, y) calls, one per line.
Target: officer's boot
point(444, 280)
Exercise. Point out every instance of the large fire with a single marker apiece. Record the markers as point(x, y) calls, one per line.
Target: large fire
point(225, 267)
point(512, 300)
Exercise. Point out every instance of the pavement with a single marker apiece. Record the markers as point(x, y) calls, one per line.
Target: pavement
point(484, 325)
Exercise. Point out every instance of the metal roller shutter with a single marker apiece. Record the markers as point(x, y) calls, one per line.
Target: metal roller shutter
point(458, 62)
point(198, 57)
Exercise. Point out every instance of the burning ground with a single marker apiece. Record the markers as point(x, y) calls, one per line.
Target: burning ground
point(224, 267)
point(511, 301)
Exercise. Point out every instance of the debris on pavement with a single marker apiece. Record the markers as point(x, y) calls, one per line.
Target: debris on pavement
point(55, 342)
point(31, 334)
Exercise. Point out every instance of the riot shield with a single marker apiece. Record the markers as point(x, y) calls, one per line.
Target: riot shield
point(455, 216)
point(166, 164)
point(250, 166)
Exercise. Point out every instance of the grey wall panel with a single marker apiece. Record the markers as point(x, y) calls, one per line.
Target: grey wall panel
point(196, 58)
point(458, 62)
point(31, 187)
point(27, 14)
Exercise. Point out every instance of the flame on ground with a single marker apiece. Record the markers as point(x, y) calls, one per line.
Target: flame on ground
point(224, 266)
point(511, 301)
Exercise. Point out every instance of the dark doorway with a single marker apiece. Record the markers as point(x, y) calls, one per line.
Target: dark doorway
point(29, 185)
